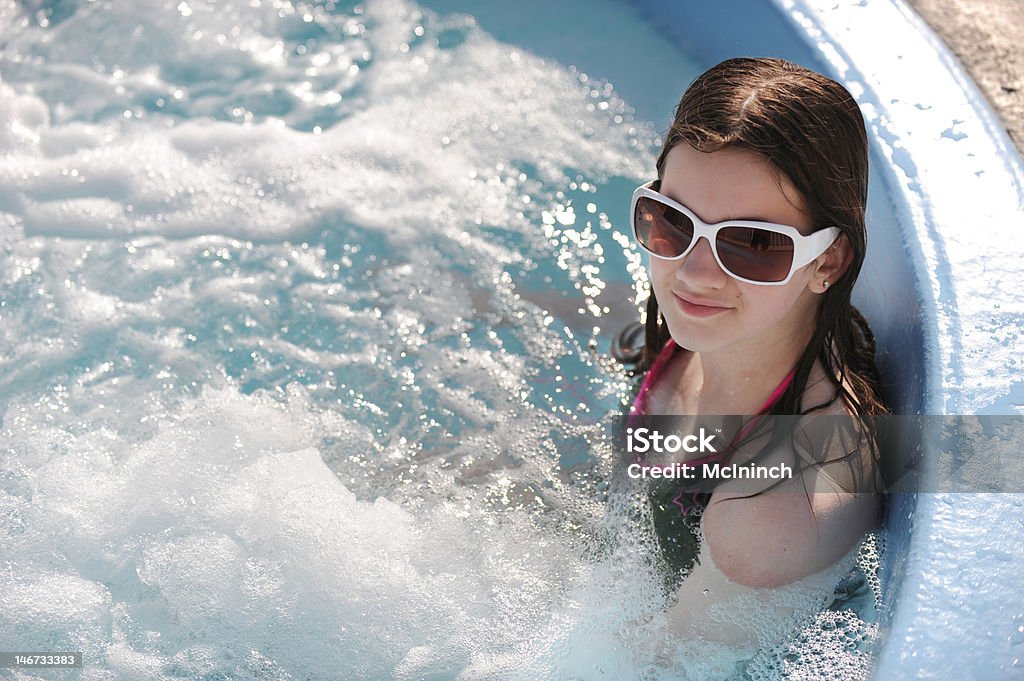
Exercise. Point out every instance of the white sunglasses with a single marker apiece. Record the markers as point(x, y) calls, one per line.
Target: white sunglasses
point(753, 252)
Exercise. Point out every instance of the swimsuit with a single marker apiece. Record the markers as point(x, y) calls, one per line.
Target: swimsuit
point(640, 409)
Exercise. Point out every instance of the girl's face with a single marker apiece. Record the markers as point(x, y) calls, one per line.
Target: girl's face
point(706, 309)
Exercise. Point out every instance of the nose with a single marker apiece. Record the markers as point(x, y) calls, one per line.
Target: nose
point(699, 269)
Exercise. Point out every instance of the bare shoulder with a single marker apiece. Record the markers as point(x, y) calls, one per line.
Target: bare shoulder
point(779, 537)
point(809, 522)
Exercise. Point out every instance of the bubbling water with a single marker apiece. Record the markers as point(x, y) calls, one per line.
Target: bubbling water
point(299, 315)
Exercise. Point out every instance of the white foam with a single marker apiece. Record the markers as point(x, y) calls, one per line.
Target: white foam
point(267, 175)
point(212, 523)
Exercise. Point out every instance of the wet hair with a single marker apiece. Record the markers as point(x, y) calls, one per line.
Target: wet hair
point(811, 131)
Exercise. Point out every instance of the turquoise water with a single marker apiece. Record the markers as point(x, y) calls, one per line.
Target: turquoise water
point(304, 313)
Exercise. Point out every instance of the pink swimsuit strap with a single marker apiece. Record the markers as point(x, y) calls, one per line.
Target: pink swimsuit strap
point(658, 368)
point(653, 374)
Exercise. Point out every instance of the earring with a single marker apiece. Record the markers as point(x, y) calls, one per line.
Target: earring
point(825, 284)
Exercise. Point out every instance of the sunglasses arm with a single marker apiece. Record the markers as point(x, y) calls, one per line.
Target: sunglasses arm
point(814, 245)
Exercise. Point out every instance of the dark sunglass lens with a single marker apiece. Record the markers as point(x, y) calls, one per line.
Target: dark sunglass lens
point(662, 229)
point(755, 254)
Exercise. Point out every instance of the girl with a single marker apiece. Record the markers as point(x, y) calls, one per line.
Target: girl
point(756, 235)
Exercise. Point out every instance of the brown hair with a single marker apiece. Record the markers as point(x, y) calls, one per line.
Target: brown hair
point(810, 128)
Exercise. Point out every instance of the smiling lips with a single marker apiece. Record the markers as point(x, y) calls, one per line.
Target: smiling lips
point(697, 307)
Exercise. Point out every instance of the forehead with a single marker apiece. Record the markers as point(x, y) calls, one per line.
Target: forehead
point(732, 184)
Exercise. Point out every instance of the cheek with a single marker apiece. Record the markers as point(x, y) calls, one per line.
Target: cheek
point(770, 305)
point(662, 283)
point(662, 274)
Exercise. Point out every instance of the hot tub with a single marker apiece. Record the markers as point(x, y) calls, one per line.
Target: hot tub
point(303, 312)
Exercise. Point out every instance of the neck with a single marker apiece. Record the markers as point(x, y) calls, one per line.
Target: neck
point(739, 379)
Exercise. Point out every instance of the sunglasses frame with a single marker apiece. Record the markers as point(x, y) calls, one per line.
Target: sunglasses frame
point(805, 247)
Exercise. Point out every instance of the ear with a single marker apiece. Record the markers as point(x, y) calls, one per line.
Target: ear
point(831, 265)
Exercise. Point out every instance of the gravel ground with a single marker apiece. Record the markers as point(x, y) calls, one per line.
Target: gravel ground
point(987, 36)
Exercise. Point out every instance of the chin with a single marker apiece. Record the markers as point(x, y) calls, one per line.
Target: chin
point(687, 335)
